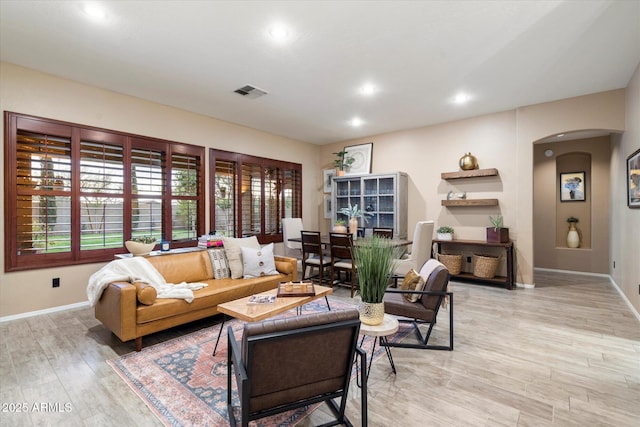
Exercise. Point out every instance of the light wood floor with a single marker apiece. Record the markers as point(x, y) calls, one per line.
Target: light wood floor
point(566, 353)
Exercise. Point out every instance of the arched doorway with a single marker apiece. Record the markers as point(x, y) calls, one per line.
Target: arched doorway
point(560, 161)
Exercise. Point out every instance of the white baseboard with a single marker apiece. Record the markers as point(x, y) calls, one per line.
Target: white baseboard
point(606, 276)
point(45, 311)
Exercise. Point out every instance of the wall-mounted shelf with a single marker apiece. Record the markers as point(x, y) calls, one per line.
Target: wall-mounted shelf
point(470, 202)
point(469, 174)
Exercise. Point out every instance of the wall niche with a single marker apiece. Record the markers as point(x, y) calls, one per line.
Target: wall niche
point(569, 163)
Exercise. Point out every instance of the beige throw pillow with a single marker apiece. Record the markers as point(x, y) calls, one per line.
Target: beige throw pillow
point(233, 249)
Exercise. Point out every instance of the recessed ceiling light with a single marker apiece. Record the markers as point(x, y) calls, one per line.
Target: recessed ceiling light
point(461, 98)
point(278, 32)
point(368, 89)
point(356, 122)
point(94, 11)
point(560, 135)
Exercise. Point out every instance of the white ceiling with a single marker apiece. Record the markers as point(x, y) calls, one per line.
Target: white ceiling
point(419, 54)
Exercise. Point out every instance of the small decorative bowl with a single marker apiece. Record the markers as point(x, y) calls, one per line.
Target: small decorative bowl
point(138, 248)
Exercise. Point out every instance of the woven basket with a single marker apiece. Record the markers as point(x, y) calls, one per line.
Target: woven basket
point(452, 262)
point(485, 266)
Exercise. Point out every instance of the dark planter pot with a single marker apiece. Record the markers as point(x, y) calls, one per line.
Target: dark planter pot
point(501, 235)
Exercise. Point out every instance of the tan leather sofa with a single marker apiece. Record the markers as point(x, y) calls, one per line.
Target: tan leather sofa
point(120, 310)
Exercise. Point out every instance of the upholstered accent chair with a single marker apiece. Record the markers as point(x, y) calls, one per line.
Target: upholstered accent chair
point(284, 364)
point(291, 228)
point(430, 295)
point(420, 249)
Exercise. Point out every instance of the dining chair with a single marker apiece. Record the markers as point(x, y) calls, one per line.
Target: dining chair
point(341, 248)
point(312, 254)
point(383, 232)
point(420, 249)
point(291, 227)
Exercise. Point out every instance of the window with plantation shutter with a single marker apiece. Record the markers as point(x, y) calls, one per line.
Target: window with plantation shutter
point(185, 187)
point(101, 194)
point(43, 185)
point(252, 194)
point(147, 191)
point(75, 194)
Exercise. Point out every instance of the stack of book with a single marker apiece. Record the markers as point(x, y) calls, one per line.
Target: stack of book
point(209, 241)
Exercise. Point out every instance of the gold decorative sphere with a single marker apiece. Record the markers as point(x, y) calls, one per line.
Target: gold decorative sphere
point(468, 162)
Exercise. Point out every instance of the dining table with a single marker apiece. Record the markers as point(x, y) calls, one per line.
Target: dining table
point(324, 239)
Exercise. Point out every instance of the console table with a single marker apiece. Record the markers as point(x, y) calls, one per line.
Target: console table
point(508, 281)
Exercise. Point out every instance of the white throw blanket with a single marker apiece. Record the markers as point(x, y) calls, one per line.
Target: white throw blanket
point(137, 269)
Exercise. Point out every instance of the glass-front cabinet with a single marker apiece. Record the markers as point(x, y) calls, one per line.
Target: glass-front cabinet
point(383, 196)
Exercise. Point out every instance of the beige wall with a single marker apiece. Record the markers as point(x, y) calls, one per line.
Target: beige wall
point(502, 140)
point(550, 227)
point(29, 92)
point(624, 226)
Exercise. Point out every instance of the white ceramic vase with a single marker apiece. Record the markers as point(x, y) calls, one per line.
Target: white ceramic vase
point(573, 238)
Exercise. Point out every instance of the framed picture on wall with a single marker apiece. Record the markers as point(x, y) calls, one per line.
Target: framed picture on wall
point(633, 180)
point(327, 206)
point(572, 187)
point(327, 174)
point(361, 155)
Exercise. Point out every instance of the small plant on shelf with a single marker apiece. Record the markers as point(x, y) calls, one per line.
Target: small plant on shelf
point(343, 161)
point(498, 233)
point(445, 232)
point(497, 221)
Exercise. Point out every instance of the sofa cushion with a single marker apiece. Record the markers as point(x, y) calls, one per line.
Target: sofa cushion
point(258, 262)
point(219, 263)
point(146, 293)
point(217, 292)
point(232, 247)
point(183, 267)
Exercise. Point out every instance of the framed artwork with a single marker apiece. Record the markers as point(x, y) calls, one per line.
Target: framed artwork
point(633, 180)
point(327, 174)
point(327, 206)
point(572, 187)
point(361, 155)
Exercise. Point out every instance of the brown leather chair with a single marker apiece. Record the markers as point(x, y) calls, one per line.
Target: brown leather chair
point(425, 309)
point(341, 248)
point(288, 363)
point(383, 232)
point(312, 253)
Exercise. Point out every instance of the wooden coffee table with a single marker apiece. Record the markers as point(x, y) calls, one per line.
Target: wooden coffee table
point(240, 309)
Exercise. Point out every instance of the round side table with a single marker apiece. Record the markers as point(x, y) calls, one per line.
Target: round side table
point(389, 326)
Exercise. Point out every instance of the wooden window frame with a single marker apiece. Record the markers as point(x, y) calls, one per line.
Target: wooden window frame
point(16, 262)
point(239, 160)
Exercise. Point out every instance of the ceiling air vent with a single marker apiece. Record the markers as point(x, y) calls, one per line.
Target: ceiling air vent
point(251, 91)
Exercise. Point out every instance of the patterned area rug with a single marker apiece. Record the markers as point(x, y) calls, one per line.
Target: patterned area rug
point(184, 385)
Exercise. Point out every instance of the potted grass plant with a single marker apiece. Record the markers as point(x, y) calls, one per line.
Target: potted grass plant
point(375, 259)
